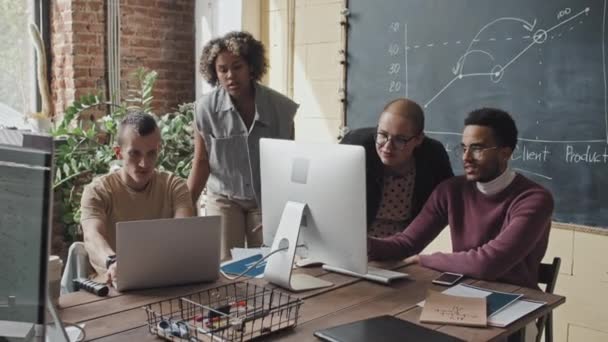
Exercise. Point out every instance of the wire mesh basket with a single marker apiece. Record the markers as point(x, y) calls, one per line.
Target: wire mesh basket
point(235, 312)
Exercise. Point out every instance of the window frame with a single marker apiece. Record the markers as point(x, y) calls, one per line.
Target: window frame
point(42, 19)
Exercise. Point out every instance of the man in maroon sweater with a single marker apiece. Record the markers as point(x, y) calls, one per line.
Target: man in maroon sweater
point(499, 220)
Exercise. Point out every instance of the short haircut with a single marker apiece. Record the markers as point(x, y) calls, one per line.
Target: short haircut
point(143, 123)
point(501, 123)
point(239, 43)
point(409, 110)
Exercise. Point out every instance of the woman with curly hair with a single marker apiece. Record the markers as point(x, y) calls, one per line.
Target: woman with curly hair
point(230, 120)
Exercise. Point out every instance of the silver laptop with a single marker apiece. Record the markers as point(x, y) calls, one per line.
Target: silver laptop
point(165, 252)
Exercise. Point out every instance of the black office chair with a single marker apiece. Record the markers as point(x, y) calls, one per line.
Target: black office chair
point(547, 275)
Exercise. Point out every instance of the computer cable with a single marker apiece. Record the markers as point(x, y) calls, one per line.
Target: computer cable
point(256, 264)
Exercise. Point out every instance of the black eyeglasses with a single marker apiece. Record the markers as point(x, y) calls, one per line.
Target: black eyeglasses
point(476, 151)
point(399, 142)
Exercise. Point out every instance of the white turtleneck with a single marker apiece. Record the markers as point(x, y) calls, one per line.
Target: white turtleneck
point(497, 184)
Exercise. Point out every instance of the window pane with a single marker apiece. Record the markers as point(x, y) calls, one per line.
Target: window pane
point(17, 69)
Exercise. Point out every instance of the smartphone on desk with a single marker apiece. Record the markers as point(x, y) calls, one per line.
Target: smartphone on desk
point(447, 278)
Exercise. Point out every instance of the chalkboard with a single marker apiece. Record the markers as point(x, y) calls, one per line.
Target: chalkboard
point(25, 182)
point(542, 61)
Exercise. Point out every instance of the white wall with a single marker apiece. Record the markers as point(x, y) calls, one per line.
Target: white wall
point(218, 17)
point(317, 75)
point(303, 38)
point(205, 16)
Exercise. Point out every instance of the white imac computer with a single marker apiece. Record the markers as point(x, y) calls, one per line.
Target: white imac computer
point(313, 195)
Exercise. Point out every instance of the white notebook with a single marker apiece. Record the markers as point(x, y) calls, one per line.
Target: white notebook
point(513, 312)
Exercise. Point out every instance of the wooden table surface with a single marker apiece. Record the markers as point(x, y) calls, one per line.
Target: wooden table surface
point(120, 317)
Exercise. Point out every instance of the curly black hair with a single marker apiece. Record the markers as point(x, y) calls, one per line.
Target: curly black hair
point(502, 125)
point(239, 43)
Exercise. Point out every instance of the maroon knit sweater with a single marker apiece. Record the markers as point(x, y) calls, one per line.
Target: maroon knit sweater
point(501, 237)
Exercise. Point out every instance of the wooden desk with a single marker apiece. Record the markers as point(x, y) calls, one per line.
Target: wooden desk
point(120, 317)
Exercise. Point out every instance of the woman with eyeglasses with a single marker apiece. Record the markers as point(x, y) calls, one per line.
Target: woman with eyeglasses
point(403, 166)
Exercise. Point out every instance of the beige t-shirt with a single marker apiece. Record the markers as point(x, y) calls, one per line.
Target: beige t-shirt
point(109, 199)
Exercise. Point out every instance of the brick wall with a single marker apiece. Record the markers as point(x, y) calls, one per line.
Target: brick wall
point(159, 34)
point(156, 34)
point(77, 50)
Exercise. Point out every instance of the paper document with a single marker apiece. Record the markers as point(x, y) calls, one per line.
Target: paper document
point(514, 312)
point(446, 309)
point(74, 334)
point(503, 308)
point(242, 253)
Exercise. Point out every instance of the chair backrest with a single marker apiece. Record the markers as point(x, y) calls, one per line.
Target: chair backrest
point(547, 275)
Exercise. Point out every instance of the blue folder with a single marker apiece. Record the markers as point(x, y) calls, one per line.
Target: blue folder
point(239, 266)
point(497, 301)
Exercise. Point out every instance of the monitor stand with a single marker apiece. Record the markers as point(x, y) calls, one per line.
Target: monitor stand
point(57, 332)
point(35, 332)
point(308, 262)
point(280, 265)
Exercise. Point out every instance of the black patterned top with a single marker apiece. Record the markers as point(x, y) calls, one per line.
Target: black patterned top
point(395, 211)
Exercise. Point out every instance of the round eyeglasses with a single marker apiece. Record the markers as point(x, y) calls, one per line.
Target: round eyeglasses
point(476, 151)
point(399, 142)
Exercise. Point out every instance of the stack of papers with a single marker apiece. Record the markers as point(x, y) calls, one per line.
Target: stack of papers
point(74, 334)
point(242, 253)
point(503, 308)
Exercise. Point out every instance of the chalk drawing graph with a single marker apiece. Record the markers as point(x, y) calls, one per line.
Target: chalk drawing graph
point(531, 30)
point(497, 72)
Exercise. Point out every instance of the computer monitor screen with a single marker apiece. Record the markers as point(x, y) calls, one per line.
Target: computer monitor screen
point(330, 180)
point(25, 197)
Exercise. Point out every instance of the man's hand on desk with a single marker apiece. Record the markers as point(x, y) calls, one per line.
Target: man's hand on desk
point(413, 260)
point(111, 274)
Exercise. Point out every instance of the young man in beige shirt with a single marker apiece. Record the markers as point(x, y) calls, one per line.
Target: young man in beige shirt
point(135, 192)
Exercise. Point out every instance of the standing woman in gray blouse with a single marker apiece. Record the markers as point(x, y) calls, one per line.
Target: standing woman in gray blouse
point(230, 121)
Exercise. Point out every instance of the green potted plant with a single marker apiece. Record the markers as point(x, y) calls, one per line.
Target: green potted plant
point(85, 149)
